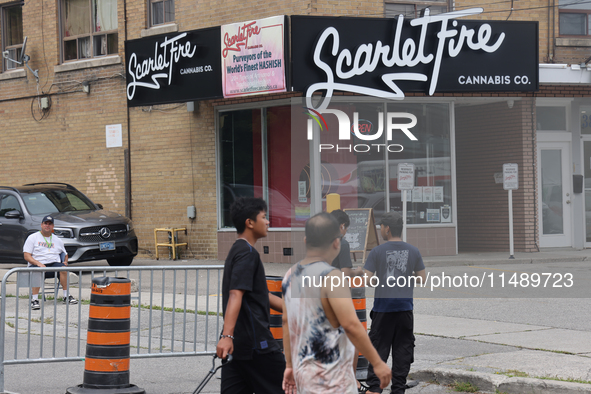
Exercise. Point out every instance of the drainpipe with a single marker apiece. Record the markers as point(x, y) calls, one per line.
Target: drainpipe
point(127, 152)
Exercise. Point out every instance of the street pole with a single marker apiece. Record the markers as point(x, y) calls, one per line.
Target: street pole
point(404, 215)
point(511, 253)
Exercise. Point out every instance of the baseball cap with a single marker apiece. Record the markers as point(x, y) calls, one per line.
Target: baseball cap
point(47, 218)
point(391, 219)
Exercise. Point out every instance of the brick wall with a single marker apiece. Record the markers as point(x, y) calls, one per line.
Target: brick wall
point(69, 145)
point(173, 166)
point(552, 46)
point(487, 136)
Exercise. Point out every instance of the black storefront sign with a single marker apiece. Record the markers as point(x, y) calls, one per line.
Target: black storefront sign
point(175, 67)
point(388, 57)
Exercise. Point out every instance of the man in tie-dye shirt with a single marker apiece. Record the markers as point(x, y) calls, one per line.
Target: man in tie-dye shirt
point(320, 327)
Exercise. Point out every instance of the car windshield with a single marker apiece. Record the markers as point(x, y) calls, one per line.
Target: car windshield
point(52, 201)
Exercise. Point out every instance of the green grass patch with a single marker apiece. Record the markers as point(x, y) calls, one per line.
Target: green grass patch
point(571, 380)
point(464, 387)
point(177, 310)
point(512, 373)
point(520, 374)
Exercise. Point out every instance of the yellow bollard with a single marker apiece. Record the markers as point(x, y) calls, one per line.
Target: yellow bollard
point(333, 201)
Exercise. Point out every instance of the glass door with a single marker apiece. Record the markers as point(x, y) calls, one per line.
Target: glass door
point(555, 193)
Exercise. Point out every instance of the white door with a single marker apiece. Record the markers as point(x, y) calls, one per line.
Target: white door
point(554, 194)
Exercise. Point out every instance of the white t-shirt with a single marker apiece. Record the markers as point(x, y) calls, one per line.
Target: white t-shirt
point(45, 250)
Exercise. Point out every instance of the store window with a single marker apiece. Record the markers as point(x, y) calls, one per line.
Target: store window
point(255, 161)
point(364, 173)
point(262, 154)
point(551, 118)
point(415, 9)
point(12, 35)
point(89, 28)
point(161, 12)
point(574, 17)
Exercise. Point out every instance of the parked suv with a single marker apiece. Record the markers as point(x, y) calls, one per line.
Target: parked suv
point(88, 232)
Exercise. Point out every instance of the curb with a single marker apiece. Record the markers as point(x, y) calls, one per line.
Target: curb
point(478, 262)
point(500, 383)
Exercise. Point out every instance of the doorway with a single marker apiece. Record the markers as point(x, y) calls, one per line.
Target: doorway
point(555, 194)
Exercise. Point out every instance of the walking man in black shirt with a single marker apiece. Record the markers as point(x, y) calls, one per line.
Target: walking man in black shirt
point(258, 362)
point(344, 263)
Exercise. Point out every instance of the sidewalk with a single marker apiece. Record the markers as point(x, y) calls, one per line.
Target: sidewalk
point(524, 345)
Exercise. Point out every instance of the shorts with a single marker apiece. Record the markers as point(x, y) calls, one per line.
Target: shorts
point(51, 265)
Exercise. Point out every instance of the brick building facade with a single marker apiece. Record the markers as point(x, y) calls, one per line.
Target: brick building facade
point(168, 158)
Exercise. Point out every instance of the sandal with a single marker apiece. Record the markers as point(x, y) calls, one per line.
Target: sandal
point(362, 388)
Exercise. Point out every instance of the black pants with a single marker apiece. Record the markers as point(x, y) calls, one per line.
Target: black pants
point(261, 375)
point(392, 331)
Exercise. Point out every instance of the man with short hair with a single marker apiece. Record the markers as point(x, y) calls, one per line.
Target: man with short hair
point(320, 327)
point(258, 363)
point(41, 249)
point(392, 321)
point(343, 260)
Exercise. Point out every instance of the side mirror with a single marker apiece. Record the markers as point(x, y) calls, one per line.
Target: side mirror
point(14, 214)
point(100, 206)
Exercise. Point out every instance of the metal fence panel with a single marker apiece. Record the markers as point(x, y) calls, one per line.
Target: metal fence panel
point(182, 322)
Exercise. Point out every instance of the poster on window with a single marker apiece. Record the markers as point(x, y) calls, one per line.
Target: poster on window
point(433, 215)
point(438, 194)
point(253, 57)
point(417, 194)
point(427, 193)
point(445, 214)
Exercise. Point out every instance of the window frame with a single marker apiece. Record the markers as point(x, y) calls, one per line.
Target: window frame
point(418, 6)
point(91, 35)
point(151, 15)
point(4, 32)
point(574, 11)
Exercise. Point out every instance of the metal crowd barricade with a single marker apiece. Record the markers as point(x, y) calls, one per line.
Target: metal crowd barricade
point(163, 323)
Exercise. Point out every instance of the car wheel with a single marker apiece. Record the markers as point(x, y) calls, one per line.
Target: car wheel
point(120, 261)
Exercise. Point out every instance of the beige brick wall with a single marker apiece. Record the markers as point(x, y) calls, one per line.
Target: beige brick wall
point(546, 13)
point(173, 166)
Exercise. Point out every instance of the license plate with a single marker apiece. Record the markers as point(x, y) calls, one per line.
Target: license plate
point(104, 246)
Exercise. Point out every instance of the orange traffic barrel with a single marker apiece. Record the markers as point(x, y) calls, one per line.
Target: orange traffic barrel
point(276, 320)
point(106, 366)
point(359, 302)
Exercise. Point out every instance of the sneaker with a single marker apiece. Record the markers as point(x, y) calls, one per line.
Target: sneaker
point(35, 305)
point(69, 300)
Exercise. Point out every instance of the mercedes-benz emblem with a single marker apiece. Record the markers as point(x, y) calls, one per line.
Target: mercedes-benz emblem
point(105, 232)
